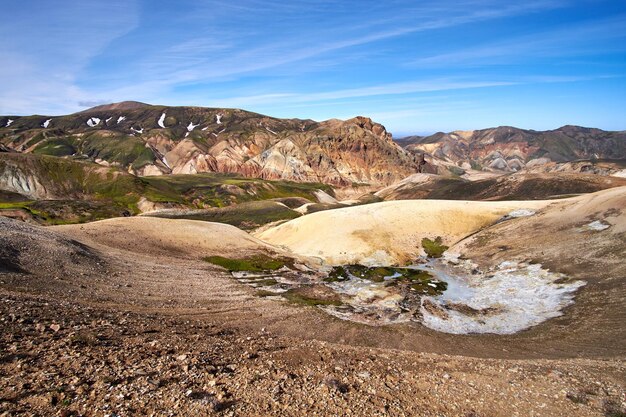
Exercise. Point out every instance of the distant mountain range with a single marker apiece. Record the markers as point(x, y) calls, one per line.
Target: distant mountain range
point(145, 140)
point(508, 148)
point(154, 140)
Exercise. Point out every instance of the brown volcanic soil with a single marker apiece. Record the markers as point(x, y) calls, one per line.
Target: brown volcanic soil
point(519, 186)
point(119, 324)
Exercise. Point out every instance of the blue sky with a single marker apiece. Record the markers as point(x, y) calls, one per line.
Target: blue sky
point(415, 66)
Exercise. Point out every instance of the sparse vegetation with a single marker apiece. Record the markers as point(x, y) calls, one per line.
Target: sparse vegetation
point(14, 205)
point(613, 409)
point(257, 263)
point(417, 279)
point(95, 192)
point(310, 297)
point(434, 248)
point(246, 216)
point(577, 397)
point(376, 274)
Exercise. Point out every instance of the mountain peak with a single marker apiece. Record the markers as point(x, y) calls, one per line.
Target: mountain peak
point(122, 105)
point(154, 139)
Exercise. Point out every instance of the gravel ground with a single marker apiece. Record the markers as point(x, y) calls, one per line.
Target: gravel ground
point(89, 330)
point(62, 358)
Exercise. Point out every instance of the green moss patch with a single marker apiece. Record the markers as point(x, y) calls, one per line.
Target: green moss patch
point(415, 279)
point(434, 248)
point(258, 263)
point(430, 287)
point(14, 205)
point(375, 274)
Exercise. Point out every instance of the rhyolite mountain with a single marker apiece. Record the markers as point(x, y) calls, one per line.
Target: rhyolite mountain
point(153, 140)
point(511, 149)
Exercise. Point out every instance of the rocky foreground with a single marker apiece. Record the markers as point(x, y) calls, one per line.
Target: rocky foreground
point(104, 319)
point(63, 358)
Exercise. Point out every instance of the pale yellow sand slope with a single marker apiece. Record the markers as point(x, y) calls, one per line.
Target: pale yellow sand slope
point(151, 235)
point(389, 232)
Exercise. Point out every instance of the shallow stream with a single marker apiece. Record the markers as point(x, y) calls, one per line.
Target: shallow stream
point(447, 295)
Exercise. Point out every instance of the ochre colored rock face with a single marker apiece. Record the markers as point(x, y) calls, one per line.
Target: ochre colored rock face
point(153, 140)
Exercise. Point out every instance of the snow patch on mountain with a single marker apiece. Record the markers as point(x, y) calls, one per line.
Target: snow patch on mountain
point(93, 122)
point(161, 121)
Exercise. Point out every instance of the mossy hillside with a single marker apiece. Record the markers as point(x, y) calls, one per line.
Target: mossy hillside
point(113, 147)
point(123, 149)
point(118, 142)
point(91, 181)
point(35, 138)
point(71, 180)
point(55, 147)
point(81, 180)
point(256, 263)
point(57, 212)
point(514, 187)
point(220, 190)
point(245, 216)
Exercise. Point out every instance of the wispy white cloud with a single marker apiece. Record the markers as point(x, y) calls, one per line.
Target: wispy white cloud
point(44, 48)
point(241, 59)
point(55, 78)
point(582, 39)
point(429, 85)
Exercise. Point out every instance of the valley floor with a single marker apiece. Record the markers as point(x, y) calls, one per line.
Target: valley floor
point(136, 332)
